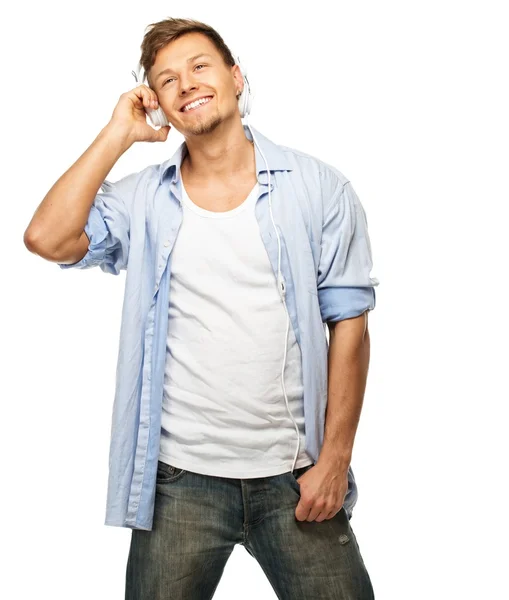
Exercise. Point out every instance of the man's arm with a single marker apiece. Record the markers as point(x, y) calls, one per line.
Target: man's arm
point(73, 213)
point(348, 362)
point(57, 227)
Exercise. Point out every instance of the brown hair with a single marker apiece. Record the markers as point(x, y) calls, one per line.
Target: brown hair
point(164, 32)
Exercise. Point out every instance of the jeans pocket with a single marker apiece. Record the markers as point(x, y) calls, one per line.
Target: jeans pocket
point(296, 473)
point(168, 473)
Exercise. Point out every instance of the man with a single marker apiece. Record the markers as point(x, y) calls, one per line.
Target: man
point(202, 448)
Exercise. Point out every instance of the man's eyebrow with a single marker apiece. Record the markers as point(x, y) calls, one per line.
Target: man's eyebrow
point(188, 60)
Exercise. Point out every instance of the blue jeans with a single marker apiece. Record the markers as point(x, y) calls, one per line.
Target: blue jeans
point(198, 520)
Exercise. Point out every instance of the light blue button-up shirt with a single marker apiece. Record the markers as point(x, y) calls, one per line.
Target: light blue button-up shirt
point(325, 262)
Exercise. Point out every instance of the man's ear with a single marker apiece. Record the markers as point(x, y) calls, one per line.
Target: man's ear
point(239, 80)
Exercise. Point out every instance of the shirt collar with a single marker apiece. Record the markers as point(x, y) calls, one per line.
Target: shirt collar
point(275, 157)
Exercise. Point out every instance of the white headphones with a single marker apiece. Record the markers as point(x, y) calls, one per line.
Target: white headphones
point(159, 119)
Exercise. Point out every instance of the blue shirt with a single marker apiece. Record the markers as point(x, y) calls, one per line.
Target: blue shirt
point(325, 262)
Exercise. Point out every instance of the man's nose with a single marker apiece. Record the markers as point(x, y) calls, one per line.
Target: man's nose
point(186, 87)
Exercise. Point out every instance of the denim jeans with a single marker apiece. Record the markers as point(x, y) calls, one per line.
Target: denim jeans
point(198, 520)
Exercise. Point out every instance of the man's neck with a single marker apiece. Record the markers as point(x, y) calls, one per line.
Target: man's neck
point(224, 154)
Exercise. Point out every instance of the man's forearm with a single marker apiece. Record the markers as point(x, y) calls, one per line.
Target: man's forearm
point(348, 362)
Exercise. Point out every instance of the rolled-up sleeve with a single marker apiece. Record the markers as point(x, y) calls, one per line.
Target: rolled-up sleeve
point(107, 229)
point(345, 288)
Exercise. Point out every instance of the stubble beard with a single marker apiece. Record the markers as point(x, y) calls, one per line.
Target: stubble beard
point(205, 127)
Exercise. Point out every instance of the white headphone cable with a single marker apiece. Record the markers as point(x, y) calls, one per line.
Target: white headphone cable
point(282, 293)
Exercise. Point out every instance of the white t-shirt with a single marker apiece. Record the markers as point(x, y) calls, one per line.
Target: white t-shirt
point(224, 411)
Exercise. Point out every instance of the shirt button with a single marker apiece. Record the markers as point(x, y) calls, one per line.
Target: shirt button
point(166, 244)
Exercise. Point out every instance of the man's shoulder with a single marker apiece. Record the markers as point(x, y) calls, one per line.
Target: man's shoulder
point(309, 164)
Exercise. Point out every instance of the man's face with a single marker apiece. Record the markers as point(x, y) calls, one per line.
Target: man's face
point(177, 81)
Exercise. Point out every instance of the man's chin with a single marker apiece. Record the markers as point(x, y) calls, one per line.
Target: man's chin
point(203, 127)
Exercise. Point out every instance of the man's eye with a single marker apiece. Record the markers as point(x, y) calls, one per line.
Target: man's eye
point(164, 83)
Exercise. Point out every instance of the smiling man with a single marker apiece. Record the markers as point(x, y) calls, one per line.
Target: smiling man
point(183, 111)
point(234, 420)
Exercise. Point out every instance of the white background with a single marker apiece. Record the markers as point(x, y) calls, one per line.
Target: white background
point(408, 100)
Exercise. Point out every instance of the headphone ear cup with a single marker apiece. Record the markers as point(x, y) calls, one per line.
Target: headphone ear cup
point(157, 117)
point(242, 102)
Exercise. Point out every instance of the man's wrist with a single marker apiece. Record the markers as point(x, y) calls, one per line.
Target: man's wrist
point(332, 457)
point(116, 134)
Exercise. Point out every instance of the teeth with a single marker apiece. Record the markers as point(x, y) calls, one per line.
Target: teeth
point(195, 104)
